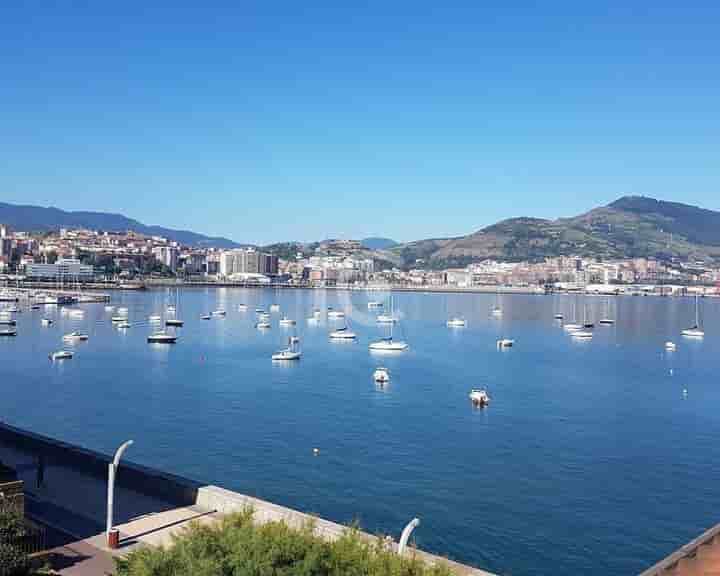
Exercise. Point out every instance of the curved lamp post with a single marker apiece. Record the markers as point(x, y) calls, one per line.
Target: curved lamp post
point(406, 534)
point(112, 470)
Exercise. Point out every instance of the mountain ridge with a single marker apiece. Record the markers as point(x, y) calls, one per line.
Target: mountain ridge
point(29, 218)
point(631, 226)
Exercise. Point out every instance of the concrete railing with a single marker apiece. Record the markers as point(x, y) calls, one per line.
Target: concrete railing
point(145, 490)
point(226, 502)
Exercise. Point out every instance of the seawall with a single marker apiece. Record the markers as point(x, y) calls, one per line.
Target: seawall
point(74, 484)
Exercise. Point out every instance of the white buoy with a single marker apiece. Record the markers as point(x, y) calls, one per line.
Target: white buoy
point(316, 451)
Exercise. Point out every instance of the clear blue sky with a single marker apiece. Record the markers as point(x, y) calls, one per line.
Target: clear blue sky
point(267, 121)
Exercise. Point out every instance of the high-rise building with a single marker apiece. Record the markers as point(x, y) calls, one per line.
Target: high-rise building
point(167, 255)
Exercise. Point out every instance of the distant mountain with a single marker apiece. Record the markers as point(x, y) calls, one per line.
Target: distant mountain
point(376, 243)
point(632, 226)
point(36, 218)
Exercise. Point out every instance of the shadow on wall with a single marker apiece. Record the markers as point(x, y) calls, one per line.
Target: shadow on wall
point(61, 478)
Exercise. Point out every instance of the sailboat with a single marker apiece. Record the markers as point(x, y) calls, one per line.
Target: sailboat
point(388, 344)
point(573, 326)
point(387, 318)
point(343, 333)
point(292, 352)
point(606, 320)
point(497, 310)
point(586, 324)
point(173, 310)
point(695, 331)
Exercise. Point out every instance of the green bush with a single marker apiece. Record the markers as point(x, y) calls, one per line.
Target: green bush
point(13, 561)
point(237, 547)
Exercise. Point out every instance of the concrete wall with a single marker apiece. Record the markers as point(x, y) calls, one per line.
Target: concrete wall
point(76, 481)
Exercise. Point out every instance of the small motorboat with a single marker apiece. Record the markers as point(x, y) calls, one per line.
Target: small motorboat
point(219, 312)
point(589, 325)
point(381, 375)
point(670, 346)
point(259, 311)
point(374, 304)
point(505, 343)
point(75, 337)
point(125, 324)
point(171, 309)
point(162, 338)
point(607, 321)
point(582, 334)
point(336, 314)
point(119, 318)
point(262, 325)
point(46, 322)
point(154, 318)
point(558, 316)
point(285, 321)
point(123, 311)
point(242, 307)
point(174, 322)
point(109, 308)
point(479, 397)
point(5, 321)
point(456, 323)
point(497, 312)
point(385, 319)
point(205, 317)
point(342, 334)
point(274, 307)
point(61, 355)
point(35, 307)
point(572, 327)
point(8, 332)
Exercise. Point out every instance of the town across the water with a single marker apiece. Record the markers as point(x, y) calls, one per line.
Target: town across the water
point(129, 259)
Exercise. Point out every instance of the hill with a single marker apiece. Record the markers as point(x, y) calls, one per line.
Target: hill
point(36, 218)
point(630, 227)
point(376, 243)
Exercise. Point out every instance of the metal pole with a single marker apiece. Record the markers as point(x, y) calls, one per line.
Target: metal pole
point(406, 534)
point(112, 470)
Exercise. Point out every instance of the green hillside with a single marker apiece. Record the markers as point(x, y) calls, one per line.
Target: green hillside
point(629, 227)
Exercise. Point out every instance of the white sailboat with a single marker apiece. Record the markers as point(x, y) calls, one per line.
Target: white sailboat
point(573, 326)
point(695, 331)
point(292, 352)
point(606, 320)
point(456, 322)
point(497, 310)
point(388, 344)
point(387, 318)
point(343, 333)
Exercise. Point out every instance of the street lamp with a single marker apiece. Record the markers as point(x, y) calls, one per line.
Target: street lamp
point(406, 534)
point(112, 535)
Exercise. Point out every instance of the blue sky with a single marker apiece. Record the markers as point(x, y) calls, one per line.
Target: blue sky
point(267, 121)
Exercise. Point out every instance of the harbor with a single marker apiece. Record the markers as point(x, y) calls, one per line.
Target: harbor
point(517, 423)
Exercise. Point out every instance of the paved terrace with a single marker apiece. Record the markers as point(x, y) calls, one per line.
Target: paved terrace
point(150, 506)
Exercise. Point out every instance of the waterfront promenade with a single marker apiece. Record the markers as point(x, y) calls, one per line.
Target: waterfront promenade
point(151, 506)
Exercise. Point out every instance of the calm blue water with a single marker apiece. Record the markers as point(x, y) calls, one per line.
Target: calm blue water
point(589, 460)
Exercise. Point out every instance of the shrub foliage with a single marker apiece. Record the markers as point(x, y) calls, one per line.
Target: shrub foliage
point(238, 547)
